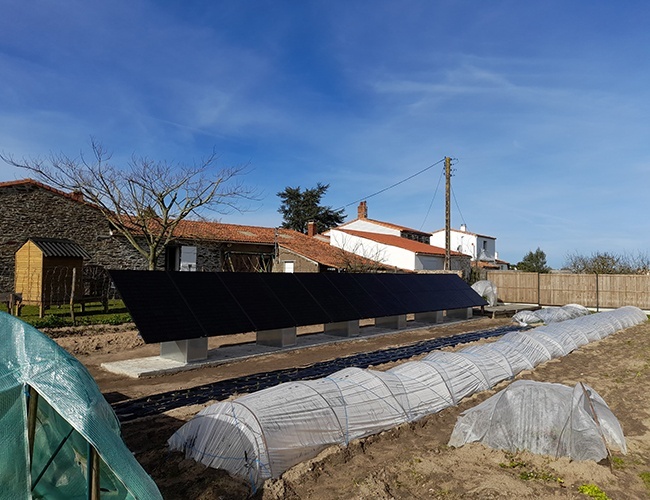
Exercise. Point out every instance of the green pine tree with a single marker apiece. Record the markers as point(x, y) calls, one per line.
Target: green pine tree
point(534, 262)
point(299, 207)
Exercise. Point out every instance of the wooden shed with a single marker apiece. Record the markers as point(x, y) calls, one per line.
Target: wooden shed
point(44, 271)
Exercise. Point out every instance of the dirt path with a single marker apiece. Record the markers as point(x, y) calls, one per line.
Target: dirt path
point(413, 460)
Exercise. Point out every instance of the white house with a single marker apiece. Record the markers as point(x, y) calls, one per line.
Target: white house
point(395, 251)
point(363, 223)
point(480, 248)
point(392, 245)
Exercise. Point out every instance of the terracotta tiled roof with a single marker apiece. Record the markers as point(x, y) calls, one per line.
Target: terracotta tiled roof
point(399, 242)
point(319, 251)
point(386, 224)
point(216, 231)
point(496, 264)
point(486, 265)
point(310, 247)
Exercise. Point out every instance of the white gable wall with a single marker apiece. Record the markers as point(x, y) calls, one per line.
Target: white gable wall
point(460, 242)
point(379, 252)
point(371, 227)
point(470, 244)
point(389, 255)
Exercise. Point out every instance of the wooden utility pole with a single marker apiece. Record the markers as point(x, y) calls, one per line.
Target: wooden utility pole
point(447, 213)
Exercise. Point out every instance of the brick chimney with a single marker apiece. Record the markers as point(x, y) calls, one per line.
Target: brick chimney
point(362, 210)
point(77, 195)
point(311, 228)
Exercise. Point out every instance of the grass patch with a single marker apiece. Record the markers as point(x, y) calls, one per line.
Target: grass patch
point(593, 491)
point(645, 477)
point(527, 475)
point(59, 316)
point(617, 463)
point(528, 472)
point(513, 462)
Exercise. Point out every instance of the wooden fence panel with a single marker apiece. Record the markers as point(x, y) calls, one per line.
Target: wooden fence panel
point(515, 287)
point(617, 290)
point(561, 289)
point(590, 290)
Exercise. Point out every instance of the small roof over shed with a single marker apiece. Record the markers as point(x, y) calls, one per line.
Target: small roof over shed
point(59, 247)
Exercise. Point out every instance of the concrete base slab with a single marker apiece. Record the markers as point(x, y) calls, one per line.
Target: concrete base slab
point(154, 366)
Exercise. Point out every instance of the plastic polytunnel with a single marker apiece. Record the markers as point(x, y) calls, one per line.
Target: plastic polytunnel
point(260, 435)
point(550, 315)
point(55, 423)
point(544, 418)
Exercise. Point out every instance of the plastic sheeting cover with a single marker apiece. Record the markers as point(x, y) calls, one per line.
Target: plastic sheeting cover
point(550, 314)
point(71, 413)
point(547, 419)
point(260, 435)
point(487, 290)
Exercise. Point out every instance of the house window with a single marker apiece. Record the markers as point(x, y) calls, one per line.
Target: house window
point(289, 266)
point(187, 258)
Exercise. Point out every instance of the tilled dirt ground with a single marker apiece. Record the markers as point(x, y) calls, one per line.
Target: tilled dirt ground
point(411, 461)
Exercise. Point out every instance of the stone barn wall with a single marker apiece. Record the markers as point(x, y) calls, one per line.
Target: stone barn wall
point(31, 210)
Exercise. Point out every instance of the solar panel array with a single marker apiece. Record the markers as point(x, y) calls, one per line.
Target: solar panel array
point(172, 305)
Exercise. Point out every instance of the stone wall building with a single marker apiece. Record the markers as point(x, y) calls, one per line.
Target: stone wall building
point(31, 209)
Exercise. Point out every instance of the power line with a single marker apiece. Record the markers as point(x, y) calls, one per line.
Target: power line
point(456, 202)
point(432, 200)
point(393, 185)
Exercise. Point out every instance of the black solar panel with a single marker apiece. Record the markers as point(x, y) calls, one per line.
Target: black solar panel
point(254, 296)
point(404, 285)
point(443, 291)
point(212, 303)
point(331, 299)
point(360, 298)
point(181, 305)
point(156, 306)
point(388, 303)
point(398, 284)
point(301, 305)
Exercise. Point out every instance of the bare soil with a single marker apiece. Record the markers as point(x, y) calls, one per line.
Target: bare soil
point(411, 461)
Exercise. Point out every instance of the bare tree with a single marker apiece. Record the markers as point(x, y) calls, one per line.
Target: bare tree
point(358, 258)
point(145, 201)
point(608, 263)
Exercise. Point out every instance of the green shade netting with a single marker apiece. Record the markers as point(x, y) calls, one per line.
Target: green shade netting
point(72, 416)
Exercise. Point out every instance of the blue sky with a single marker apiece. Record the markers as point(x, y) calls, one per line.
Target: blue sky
point(544, 105)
